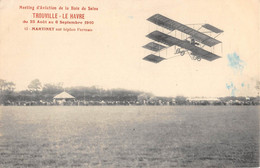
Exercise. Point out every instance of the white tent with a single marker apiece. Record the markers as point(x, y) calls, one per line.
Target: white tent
point(63, 98)
point(64, 95)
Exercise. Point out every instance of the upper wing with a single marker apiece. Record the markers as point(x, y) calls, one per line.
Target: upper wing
point(170, 41)
point(212, 28)
point(173, 25)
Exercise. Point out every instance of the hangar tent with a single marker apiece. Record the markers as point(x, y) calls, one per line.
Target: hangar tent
point(63, 98)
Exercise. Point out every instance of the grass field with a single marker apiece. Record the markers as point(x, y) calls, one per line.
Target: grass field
point(129, 136)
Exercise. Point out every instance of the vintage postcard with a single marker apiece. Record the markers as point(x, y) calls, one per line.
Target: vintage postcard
point(133, 83)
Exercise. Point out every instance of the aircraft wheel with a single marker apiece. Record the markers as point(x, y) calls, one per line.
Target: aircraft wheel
point(198, 58)
point(194, 57)
point(178, 50)
point(182, 53)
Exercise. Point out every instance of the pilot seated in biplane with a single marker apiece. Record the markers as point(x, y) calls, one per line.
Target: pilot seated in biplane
point(193, 42)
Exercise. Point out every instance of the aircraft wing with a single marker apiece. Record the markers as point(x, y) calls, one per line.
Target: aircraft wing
point(154, 46)
point(212, 28)
point(163, 38)
point(170, 41)
point(170, 24)
point(153, 58)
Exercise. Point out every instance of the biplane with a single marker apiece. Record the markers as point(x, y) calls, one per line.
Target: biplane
point(194, 44)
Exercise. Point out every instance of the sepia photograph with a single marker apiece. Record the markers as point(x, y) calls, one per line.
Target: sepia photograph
point(133, 83)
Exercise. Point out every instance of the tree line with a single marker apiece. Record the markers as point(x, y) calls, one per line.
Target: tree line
point(36, 91)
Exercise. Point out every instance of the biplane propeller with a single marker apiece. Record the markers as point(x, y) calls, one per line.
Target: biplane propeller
point(193, 45)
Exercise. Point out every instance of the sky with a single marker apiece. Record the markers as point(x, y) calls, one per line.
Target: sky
point(111, 55)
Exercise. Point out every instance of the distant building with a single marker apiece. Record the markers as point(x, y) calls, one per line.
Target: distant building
point(63, 98)
point(203, 100)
